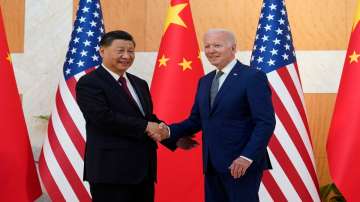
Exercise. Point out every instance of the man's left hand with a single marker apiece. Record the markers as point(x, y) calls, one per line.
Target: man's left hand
point(238, 167)
point(187, 143)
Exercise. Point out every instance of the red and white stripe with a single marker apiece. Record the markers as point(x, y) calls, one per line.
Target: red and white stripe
point(61, 161)
point(293, 177)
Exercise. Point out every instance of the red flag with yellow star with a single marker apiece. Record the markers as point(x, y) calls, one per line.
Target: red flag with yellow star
point(18, 177)
point(177, 71)
point(343, 145)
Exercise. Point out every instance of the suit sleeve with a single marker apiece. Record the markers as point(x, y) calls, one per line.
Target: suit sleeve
point(189, 126)
point(262, 112)
point(92, 102)
point(168, 144)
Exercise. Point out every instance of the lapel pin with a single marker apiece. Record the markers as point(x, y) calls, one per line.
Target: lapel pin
point(235, 74)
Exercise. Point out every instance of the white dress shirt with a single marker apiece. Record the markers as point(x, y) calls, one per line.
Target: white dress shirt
point(227, 69)
point(130, 87)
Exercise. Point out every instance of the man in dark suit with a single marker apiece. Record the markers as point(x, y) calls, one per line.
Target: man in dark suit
point(233, 108)
point(120, 158)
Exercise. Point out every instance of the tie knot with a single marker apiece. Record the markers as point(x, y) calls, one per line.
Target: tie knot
point(122, 80)
point(218, 74)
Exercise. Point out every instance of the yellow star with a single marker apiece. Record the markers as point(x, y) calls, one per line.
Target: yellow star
point(163, 61)
point(185, 64)
point(173, 16)
point(354, 57)
point(8, 57)
point(357, 17)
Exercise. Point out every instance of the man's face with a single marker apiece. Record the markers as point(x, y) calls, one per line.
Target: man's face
point(218, 49)
point(118, 56)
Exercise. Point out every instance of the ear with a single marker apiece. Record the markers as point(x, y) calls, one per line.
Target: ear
point(102, 51)
point(233, 48)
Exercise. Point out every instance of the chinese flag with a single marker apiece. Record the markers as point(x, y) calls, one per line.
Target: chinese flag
point(18, 177)
point(177, 71)
point(343, 145)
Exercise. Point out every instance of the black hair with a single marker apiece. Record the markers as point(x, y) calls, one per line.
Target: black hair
point(109, 37)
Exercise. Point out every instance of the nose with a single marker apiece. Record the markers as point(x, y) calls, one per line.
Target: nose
point(210, 49)
point(126, 55)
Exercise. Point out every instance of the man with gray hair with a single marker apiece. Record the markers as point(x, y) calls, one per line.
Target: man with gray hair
point(233, 108)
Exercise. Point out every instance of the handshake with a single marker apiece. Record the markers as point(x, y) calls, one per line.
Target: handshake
point(157, 132)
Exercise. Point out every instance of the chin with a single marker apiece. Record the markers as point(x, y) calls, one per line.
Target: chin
point(122, 68)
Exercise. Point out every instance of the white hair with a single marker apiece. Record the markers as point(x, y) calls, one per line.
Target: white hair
point(230, 36)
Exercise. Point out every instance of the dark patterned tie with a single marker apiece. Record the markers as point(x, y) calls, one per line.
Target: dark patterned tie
point(215, 87)
point(123, 84)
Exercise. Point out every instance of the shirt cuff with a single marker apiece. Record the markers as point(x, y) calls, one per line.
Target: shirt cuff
point(168, 128)
point(247, 159)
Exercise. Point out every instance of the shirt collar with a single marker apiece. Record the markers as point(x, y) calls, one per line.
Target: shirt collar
point(227, 69)
point(114, 75)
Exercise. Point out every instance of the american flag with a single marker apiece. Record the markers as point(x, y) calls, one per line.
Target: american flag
point(61, 160)
point(293, 177)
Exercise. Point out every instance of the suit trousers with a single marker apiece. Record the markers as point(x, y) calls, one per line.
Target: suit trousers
point(142, 192)
point(222, 187)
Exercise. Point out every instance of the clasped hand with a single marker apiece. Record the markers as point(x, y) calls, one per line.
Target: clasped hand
point(157, 132)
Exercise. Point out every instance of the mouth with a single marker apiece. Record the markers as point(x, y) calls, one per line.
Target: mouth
point(213, 57)
point(125, 63)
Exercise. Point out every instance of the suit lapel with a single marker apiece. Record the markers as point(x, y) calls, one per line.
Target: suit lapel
point(226, 86)
point(116, 88)
point(139, 93)
point(207, 85)
point(109, 79)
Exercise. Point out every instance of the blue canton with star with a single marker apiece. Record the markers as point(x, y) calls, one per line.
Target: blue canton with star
point(273, 47)
point(84, 46)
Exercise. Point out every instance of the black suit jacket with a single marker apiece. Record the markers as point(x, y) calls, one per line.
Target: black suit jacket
point(118, 151)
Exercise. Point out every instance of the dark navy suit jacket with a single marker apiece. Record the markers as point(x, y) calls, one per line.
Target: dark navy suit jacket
point(240, 122)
